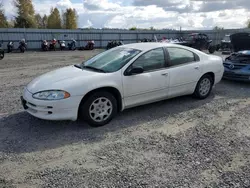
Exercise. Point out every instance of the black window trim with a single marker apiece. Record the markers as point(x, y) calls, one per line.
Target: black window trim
point(196, 57)
point(125, 73)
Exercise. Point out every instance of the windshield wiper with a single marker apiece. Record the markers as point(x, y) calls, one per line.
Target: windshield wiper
point(93, 68)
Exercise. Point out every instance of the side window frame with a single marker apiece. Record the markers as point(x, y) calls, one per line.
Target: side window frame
point(170, 65)
point(166, 61)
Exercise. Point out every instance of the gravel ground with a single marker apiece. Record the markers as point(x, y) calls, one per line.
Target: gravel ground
point(181, 142)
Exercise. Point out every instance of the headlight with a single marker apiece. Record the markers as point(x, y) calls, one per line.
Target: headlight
point(51, 95)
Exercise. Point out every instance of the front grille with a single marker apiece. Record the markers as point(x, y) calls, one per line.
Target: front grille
point(41, 109)
point(234, 67)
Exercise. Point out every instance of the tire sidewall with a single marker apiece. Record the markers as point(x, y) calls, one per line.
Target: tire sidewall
point(197, 92)
point(84, 108)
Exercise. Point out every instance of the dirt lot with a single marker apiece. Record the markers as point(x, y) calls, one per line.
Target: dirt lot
point(181, 142)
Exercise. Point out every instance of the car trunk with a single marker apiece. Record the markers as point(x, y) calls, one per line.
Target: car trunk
point(240, 41)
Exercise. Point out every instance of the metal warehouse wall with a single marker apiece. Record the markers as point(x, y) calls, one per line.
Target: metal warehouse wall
point(101, 37)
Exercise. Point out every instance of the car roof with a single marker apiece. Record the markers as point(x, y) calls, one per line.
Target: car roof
point(145, 46)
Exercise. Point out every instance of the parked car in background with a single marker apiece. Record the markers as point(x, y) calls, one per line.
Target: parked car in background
point(225, 45)
point(237, 66)
point(240, 41)
point(199, 41)
point(121, 78)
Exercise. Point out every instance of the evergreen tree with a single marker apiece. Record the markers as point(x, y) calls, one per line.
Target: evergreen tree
point(63, 13)
point(39, 21)
point(25, 14)
point(3, 19)
point(45, 21)
point(70, 19)
point(54, 19)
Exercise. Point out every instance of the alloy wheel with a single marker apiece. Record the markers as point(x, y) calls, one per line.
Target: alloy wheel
point(101, 109)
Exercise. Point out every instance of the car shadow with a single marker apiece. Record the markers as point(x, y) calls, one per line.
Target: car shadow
point(22, 133)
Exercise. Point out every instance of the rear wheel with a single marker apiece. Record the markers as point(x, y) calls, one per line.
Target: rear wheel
point(211, 49)
point(99, 109)
point(204, 87)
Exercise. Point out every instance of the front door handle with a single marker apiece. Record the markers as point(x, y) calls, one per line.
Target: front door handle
point(164, 74)
point(197, 67)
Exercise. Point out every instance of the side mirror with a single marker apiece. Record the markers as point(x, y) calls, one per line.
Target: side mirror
point(135, 70)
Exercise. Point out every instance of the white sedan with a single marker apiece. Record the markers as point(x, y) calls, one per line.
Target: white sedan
point(121, 78)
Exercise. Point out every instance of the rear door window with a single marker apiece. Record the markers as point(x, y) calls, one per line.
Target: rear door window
point(179, 56)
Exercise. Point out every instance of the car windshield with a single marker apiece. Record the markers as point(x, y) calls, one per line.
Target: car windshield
point(111, 60)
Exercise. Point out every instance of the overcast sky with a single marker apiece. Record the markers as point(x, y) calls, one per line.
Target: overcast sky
point(189, 14)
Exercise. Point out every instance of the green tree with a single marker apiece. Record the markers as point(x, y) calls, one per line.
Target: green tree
point(3, 19)
point(54, 19)
point(63, 13)
point(218, 28)
point(152, 28)
point(25, 14)
point(39, 21)
point(11, 23)
point(133, 28)
point(45, 21)
point(70, 19)
point(248, 23)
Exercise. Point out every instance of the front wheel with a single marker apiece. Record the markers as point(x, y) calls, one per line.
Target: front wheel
point(204, 87)
point(99, 109)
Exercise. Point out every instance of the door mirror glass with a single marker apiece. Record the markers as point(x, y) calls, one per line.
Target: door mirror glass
point(135, 70)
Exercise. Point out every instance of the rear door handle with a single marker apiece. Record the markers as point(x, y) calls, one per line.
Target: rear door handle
point(164, 74)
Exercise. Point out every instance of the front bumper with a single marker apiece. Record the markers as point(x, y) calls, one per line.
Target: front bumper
point(66, 109)
point(230, 75)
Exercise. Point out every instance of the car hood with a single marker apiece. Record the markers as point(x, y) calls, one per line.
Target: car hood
point(238, 62)
point(240, 41)
point(58, 79)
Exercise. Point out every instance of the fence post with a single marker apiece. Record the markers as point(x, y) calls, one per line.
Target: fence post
point(100, 37)
point(79, 42)
point(120, 36)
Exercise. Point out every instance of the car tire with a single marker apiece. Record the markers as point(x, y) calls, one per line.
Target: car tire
point(98, 109)
point(218, 47)
point(211, 49)
point(203, 87)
